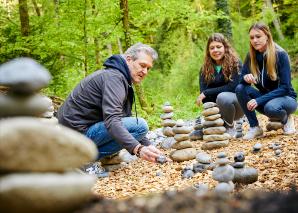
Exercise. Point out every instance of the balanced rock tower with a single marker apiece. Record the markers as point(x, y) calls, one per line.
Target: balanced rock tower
point(168, 123)
point(197, 133)
point(38, 160)
point(215, 135)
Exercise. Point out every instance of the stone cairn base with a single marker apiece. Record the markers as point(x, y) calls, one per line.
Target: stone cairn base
point(224, 174)
point(245, 175)
point(215, 135)
point(183, 146)
point(38, 160)
point(168, 123)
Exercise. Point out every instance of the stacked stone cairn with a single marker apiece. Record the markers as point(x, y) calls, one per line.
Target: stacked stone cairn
point(244, 175)
point(197, 133)
point(215, 135)
point(239, 129)
point(168, 123)
point(204, 162)
point(183, 146)
point(224, 174)
point(37, 160)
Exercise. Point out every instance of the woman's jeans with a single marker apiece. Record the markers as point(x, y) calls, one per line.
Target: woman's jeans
point(106, 145)
point(277, 109)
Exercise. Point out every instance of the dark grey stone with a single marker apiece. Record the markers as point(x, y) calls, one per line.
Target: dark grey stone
point(245, 175)
point(196, 135)
point(187, 174)
point(223, 173)
point(239, 157)
point(161, 159)
point(238, 164)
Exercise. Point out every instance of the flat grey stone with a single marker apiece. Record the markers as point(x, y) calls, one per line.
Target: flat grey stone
point(167, 143)
point(168, 131)
point(45, 192)
point(168, 122)
point(24, 75)
point(212, 117)
point(182, 145)
point(245, 175)
point(167, 115)
point(214, 145)
point(26, 144)
point(210, 111)
point(196, 135)
point(223, 173)
point(217, 122)
point(167, 108)
point(203, 158)
point(217, 137)
point(208, 105)
point(181, 137)
point(183, 154)
point(182, 129)
point(179, 122)
point(214, 130)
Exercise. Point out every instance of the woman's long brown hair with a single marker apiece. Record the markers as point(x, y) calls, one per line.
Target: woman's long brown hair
point(270, 53)
point(230, 61)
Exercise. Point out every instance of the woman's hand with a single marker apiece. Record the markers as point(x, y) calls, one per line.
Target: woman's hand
point(200, 99)
point(252, 104)
point(250, 79)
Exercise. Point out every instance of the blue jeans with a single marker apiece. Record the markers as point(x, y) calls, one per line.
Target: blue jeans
point(277, 109)
point(106, 145)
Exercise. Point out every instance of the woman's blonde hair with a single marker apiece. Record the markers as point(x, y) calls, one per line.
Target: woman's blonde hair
point(270, 53)
point(230, 62)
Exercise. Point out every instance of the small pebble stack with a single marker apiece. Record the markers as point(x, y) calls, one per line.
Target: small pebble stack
point(197, 134)
point(204, 162)
point(37, 160)
point(215, 135)
point(239, 129)
point(224, 174)
point(167, 123)
point(183, 146)
point(243, 175)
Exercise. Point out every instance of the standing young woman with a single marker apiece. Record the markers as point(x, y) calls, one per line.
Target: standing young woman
point(219, 77)
point(267, 67)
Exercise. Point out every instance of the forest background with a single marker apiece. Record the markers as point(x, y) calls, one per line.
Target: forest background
point(73, 38)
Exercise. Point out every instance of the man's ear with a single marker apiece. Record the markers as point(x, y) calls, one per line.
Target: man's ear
point(128, 58)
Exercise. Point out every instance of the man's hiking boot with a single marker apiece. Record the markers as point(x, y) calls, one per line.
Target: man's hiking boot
point(253, 132)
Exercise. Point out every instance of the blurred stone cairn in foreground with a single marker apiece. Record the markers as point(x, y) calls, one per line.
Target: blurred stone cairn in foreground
point(215, 135)
point(38, 159)
point(167, 123)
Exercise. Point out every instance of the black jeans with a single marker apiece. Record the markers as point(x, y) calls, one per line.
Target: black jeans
point(277, 109)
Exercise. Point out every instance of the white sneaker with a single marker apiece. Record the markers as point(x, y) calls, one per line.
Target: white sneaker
point(253, 132)
point(289, 127)
point(231, 131)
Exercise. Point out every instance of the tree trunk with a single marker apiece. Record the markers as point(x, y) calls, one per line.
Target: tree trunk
point(119, 46)
point(110, 50)
point(37, 10)
point(125, 22)
point(224, 24)
point(275, 21)
point(96, 42)
point(24, 17)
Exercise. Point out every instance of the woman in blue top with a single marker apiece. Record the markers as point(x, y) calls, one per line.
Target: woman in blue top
point(267, 67)
point(219, 77)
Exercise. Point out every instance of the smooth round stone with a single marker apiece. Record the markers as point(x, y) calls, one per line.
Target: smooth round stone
point(217, 122)
point(239, 157)
point(22, 106)
point(276, 147)
point(214, 130)
point(26, 144)
point(24, 75)
point(203, 187)
point(167, 109)
point(198, 126)
point(223, 173)
point(214, 145)
point(50, 110)
point(208, 105)
point(203, 158)
point(45, 192)
point(222, 161)
point(212, 117)
point(223, 188)
point(277, 152)
point(273, 125)
point(245, 175)
point(182, 145)
point(167, 143)
point(221, 155)
point(182, 129)
point(239, 134)
point(114, 167)
point(221, 137)
point(183, 154)
point(168, 122)
point(187, 174)
point(167, 115)
point(257, 147)
point(161, 159)
point(198, 167)
point(179, 122)
point(238, 164)
point(196, 135)
point(168, 131)
point(181, 137)
point(210, 111)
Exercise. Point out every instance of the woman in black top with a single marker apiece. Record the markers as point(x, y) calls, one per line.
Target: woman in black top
point(219, 77)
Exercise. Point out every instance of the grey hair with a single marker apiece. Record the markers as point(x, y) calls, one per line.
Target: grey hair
point(135, 49)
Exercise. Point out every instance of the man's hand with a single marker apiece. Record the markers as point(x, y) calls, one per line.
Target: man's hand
point(150, 153)
point(250, 79)
point(252, 104)
point(200, 99)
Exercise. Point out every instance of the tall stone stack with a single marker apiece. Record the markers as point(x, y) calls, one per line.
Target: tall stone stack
point(183, 146)
point(224, 174)
point(37, 161)
point(239, 129)
point(168, 123)
point(245, 175)
point(215, 135)
point(197, 133)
